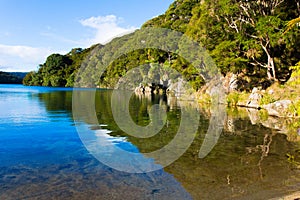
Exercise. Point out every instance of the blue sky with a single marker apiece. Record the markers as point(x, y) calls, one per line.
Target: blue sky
point(30, 30)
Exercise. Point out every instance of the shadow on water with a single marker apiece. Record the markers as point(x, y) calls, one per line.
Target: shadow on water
point(251, 159)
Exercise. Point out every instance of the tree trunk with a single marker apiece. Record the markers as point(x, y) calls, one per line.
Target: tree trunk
point(270, 65)
point(273, 68)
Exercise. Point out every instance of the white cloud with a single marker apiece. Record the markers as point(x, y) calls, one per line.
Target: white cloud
point(27, 58)
point(21, 58)
point(107, 28)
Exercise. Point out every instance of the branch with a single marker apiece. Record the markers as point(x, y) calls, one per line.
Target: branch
point(276, 3)
point(257, 63)
point(252, 36)
point(245, 21)
point(247, 14)
point(265, 47)
point(232, 24)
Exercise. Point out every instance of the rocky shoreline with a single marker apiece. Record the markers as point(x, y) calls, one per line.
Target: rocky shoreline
point(279, 108)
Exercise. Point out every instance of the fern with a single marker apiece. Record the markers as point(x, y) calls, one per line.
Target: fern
point(291, 24)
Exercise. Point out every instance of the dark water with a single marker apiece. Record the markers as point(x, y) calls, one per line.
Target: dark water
point(43, 157)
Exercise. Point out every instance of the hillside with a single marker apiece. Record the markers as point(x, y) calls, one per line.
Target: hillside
point(11, 77)
point(58, 70)
point(244, 38)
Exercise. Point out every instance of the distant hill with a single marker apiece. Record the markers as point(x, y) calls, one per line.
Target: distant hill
point(12, 77)
point(19, 74)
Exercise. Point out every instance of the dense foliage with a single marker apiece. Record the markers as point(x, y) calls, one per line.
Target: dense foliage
point(11, 78)
point(248, 35)
point(58, 70)
point(244, 36)
point(177, 17)
point(247, 38)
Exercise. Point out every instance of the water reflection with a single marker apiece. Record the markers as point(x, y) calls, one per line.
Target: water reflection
point(249, 159)
point(47, 160)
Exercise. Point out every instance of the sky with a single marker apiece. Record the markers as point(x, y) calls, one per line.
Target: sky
point(31, 30)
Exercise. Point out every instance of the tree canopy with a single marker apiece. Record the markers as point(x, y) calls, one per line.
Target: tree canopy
point(58, 70)
point(248, 38)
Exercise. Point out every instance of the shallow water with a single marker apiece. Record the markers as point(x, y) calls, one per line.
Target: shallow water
point(44, 157)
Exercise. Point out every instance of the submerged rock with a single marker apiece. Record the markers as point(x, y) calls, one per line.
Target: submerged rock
point(278, 108)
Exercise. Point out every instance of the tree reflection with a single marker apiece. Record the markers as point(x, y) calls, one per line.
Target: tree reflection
point(248, 160)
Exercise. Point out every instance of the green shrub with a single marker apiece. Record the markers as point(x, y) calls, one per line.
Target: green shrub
point(267, 99)
point(294, 108)
point(263, 115)
point(233, 99)
point(295, 77)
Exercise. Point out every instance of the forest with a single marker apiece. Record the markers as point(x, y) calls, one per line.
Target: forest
point(11, 77)
point(256, 40)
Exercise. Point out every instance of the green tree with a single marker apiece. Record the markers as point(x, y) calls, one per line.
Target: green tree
point(245, 34)
point(244, 37)
point(59, 70)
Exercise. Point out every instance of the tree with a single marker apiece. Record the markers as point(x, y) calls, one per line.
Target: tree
point(251, 29)
point(59, 70)
point(242, 36)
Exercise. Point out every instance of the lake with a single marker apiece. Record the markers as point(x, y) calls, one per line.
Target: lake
point(45, 154)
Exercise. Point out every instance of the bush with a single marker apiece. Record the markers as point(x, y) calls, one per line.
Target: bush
point(295, 77)
point(233, 99)
point(267, 99)
point(294, 108)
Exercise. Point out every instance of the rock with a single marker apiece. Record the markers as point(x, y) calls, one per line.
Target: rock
point(276, 124)
point(230, 82)
point(148, 89)
point(254, 99)
point(253, 115)
point(278, 108)
point(139, 90)
point(233, 83)
point(271, 92)
point(165, 82)
point(177, 88)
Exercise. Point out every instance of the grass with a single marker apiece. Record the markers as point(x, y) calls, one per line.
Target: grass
point(267, 99)
point(294, 108)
